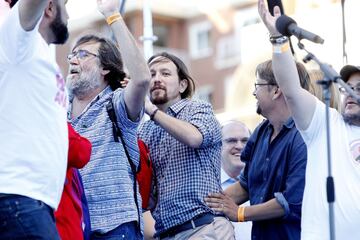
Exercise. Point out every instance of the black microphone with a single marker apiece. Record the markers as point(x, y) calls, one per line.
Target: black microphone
point(287, 27)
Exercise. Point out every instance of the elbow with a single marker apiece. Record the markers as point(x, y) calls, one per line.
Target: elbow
point(195, 141)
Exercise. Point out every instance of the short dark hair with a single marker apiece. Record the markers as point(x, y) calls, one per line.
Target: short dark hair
point(182, 71)
point(265, 72)
point(110, 58)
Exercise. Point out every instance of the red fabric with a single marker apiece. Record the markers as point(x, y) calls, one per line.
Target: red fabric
point(69, 213)
point(144, 176)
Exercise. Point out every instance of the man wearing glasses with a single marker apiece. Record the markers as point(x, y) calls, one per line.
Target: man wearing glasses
point(309, 115)
point(235, 135)
point(274, 175)
point(94, 80)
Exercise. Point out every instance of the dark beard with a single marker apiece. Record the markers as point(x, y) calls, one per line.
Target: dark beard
point(258, 110)
point(59, 29)
point(351, 119)
point(159, 100)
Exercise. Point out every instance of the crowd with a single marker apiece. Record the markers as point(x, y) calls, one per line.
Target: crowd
point(64, 173)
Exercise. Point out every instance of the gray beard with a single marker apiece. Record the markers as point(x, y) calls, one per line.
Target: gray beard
point(86, 83)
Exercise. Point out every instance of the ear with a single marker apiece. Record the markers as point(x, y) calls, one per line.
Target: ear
point(277, 93)
point(183, 85)
point(50, 10)
point(104, 71)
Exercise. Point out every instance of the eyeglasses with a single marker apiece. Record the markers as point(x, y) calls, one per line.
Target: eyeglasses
point(356, 89)
point(81, 54)
point(263, 84)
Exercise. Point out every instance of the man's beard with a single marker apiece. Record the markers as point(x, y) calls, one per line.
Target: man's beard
point(352, 119)
point(84, 83)
point(258, 110)
point(159, 99)
point(59, 29)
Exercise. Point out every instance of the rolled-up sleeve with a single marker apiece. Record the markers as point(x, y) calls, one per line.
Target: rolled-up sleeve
point(203, 118)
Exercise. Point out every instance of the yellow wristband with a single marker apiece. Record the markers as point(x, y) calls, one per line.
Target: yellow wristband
point(241, 214)
point(281, 48)
point(113, 18)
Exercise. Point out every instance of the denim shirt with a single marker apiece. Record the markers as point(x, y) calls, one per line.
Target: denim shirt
point(276, 170)
point(107, 178)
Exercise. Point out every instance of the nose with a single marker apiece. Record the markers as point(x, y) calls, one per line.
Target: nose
point(72, 59)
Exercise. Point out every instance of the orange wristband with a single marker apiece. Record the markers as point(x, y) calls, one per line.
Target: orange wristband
point(113, 18)
point(241, 214)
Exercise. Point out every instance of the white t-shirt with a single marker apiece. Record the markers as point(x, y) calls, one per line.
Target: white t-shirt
point(33, 103)
point(243, 229)
point(345, 149)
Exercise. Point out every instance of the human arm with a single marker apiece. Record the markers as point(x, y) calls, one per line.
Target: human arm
point(227, 203)
point(300, 102)
point(30, 12)
point(137, 88)
point(181, 130)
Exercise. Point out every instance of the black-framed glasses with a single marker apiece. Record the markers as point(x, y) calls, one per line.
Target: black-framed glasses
point(356, 89)
point(263, 84)
point(81, 54)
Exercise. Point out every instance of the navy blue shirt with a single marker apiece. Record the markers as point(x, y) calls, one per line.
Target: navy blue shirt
point(275, 170)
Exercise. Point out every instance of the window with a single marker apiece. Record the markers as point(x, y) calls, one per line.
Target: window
point(227, 52)
point(200, 38)
point(162, 34)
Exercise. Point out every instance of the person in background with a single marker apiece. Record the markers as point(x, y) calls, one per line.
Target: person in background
point(235, 135)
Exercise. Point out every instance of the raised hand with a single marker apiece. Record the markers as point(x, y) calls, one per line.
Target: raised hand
point(108, 7)
point(268, 19)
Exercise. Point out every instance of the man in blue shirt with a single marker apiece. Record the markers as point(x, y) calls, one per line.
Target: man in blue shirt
point(184, 139)
point(274, 175)
point(95, 75)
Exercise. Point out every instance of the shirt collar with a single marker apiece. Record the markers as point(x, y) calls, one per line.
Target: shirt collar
point(178, 106)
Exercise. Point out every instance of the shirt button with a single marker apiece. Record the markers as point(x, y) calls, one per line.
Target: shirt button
point(267, 159)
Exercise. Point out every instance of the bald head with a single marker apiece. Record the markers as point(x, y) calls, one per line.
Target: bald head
point(235, 135)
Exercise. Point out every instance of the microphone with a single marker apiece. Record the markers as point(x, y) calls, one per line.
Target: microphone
point(287, 27)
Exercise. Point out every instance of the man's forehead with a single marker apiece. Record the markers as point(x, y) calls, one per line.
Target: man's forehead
point(161, 61)
point(87, 45)
point(235, 130)
point(354, 79)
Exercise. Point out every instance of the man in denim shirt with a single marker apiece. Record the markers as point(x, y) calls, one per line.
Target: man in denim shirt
point(274, 175)
point(95, 73)
point(184, 139)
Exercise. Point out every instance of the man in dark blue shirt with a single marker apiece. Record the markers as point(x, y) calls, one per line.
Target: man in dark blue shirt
point(274, 176)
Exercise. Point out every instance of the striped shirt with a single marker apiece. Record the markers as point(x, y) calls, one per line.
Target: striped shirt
point(107, 178)
point(184, 175)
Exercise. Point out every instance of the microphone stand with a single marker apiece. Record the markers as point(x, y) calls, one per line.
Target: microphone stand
point(330, 77)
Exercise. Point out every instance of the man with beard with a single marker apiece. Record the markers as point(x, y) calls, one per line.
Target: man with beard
point(274, 175)
point(184, 140)
point(309, 115)
point(33, 128)
point(94, 80)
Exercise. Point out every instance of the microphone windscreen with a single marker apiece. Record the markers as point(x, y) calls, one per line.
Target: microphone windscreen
point(283, 23)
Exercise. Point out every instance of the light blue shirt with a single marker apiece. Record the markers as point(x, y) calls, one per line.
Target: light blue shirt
point(107, 178)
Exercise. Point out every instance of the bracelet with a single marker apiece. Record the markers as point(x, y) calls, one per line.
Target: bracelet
point(113, 18)
point(278, 39)
point(241, 214)
point(281, 48)
point(152, 115)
